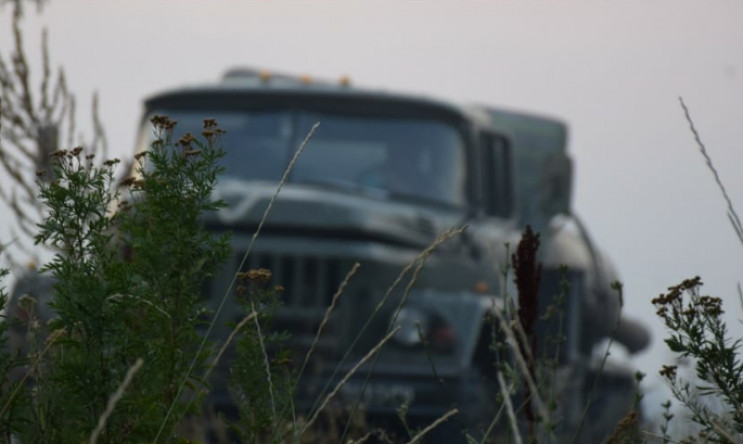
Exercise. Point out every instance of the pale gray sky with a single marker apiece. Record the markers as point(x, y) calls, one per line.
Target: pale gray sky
point(612, 69)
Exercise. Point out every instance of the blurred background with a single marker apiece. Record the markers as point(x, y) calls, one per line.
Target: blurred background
point(613, 70)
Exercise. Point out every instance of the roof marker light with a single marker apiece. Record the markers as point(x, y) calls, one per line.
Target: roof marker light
point(345, 81)
point(265, 75)
point(305, 79)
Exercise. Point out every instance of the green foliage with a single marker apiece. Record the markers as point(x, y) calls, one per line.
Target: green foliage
point(11, 393)
point(128, 285)
point(697, 331)
point(171, 256)
point(82, 368)
point(262, 380)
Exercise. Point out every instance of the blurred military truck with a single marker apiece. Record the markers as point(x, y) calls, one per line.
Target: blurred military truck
point(383, 176)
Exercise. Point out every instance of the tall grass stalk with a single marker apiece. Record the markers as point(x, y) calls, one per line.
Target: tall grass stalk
point(527, 355)
point(371, 353)
point(310, 351)
point(513, 344)
point(324, 321)
point(266, 363)
point(697, 332)
point(418, 437)
point(326, 317)
point(56, 334)
point(732, 214)
point(498, 414)
point(229, 340)
point(118, 394)
point(619, 289)
point(506, 395)
point(421, 262)
point(444, 237)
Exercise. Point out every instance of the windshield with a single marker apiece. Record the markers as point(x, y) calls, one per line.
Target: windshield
point(405, 158)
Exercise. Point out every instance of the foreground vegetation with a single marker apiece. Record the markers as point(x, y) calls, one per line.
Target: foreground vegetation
point(127, 287)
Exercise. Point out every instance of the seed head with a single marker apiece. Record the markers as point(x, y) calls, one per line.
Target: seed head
point(259, 276)
point(163, 122)
point(129, 181)
point(186, 140)
point(668, 372)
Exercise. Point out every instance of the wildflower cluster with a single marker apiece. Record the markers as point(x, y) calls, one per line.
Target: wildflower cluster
point(698, 331)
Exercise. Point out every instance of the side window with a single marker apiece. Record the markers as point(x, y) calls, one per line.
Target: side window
point(498, 178)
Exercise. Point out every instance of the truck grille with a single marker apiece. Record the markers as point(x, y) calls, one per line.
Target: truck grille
point(309, 281)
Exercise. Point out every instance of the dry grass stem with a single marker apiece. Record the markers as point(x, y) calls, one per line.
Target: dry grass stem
point(418, 263)
point(49, 342)
point(361, 440)
point(433, 425)
point(120, 297)
point(517, 326)
point(118, 394)
point(732, 214)
point(445, 236)
point(509, 408)
point(275, 195)
point(320, 329)
point(229, 340)
point(421, 258)
point(266, 362)
point(514, 346)
point(495, 420)
point(326, 317)
point(722, 431)
point(604, 358)
point(345, 379)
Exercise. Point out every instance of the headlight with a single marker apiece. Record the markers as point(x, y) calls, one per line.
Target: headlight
point(413, 327)
point(417, 326)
